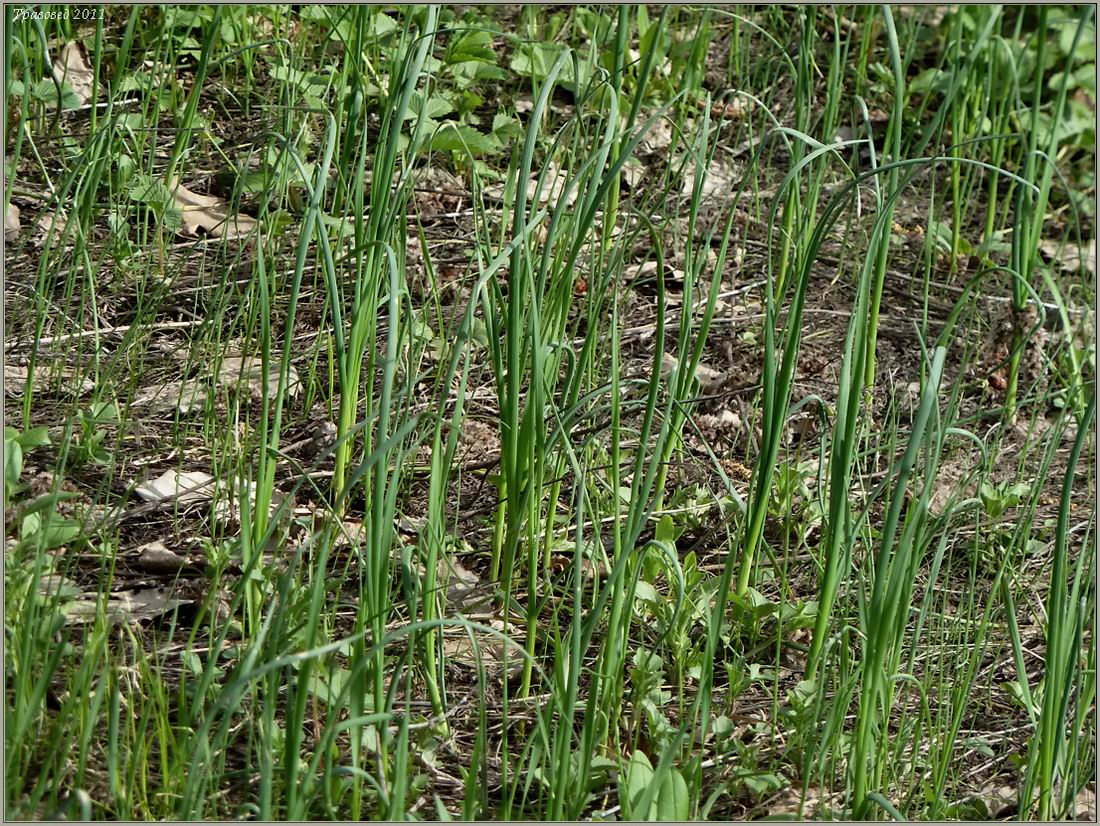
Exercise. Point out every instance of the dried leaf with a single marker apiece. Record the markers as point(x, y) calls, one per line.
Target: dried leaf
point(733, 109)
point(553, 184)
point(465, 591)
point(719, 179)
point(186, 396)
point(57, 585)
point(525, 104)
point(1069, 256)
point(801, 427)
point(659, 136)
point(1001, 801)
point(707, 376)
point(946, 487)
point(191, 486)
point(70, 67)
point(157, 558)
point(633, 173)
point(229, 510)
point(15, 379)
point(460, 649)
point(250, 371)
point(91, 516)
point(323, 438)
point(351, 533)
point(124, 606)
point(721, 426)
point(478, 442)
point(209, 214)
point(11, 222)
point(648, 270)
point(788, 804)
point(49, 226)
point(998, 801)
point(1084, 807)
point(457, 573)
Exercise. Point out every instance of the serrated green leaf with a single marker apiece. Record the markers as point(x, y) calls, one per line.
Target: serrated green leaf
point(146, 189)
point(46, 91)
point(762, 783)
point(1084, 77)
point(382, 24)
point(535, 60)
point(470, 46)
point(435, 107)
point(506, 127)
